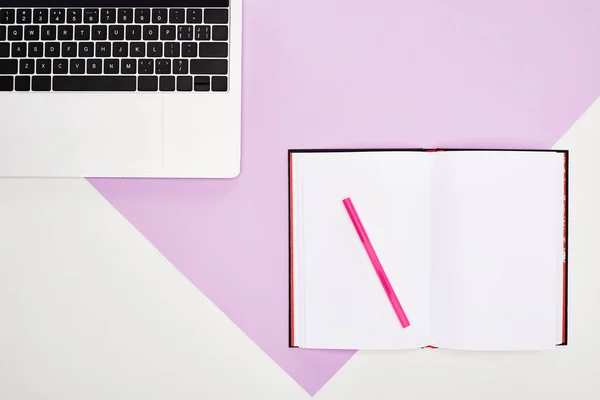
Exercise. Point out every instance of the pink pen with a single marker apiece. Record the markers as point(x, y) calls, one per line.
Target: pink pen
point(387, 286)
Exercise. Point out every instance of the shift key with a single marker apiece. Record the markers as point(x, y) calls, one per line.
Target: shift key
point(208, 67)
point(8, 67)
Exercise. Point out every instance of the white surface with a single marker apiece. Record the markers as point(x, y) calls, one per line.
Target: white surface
point(343, 303)
point(127, 134)
point(497, 246)
point(144, 332)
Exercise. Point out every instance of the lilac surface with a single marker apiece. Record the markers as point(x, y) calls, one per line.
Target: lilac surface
point(343, 74)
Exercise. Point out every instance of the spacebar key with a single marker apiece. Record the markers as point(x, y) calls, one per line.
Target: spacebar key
point(93, 83)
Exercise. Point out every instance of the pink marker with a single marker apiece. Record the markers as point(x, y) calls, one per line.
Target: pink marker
point(387, 286)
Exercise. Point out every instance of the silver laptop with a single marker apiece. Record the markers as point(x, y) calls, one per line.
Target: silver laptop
point(138, 88)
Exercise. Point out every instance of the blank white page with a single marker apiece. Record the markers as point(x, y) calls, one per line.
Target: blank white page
point(343, 303)
point(497, 246)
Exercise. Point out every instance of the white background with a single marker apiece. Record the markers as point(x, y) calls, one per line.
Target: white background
point(81, 320)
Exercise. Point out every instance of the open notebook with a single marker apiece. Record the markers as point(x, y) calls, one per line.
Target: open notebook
point(474, 243)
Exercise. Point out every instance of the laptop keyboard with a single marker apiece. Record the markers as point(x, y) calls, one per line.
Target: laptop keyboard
point(115, 49)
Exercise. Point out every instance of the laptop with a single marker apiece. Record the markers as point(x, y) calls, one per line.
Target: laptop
point(133, 88)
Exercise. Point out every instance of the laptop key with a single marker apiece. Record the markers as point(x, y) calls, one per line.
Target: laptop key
point(212, 49)
point(201, 83)
point(208, 67)
point(168, 32)
point(26, 66)
point(74, 16)
point(86, 49)
point(120, 49)
point(82, 32)
point(103, 49)
point(9, 67)
point(176, 16)
point(202, 32)
point(108, 15)
point(125, 15)
point(22, 84)
point(172, 49)
point(137, 49)
point(194, 16)
point(57, 15)
point(111, 66)
point(35, 49)
point(220, 32)
point(189, 49)
point(116, 32)
point(60, 66)
point(19, 50)
point(40, 83)
point(180, 67)
point(77, 66)
point(4, 50)
point(2, 33)
point(142, 15)
point(133, 32)
point(15, 32)
point(94, 83)
point(65, 32)
point(69, 49)
point(7, 16)
point(6, 83)
point(24, 16)
point(216, 16)
point(163, 66)
point(48, 32)
point(167, 84)
point(184, 83)
point(146, 67)
point(32, 32)
point(43, 66)
point(128, 67)
point(91, 15)
point(94, 66)
point(151, 32)
point(159, 16)
point(219, 83)
point(99, 32)
point(185, 32)
point(148, 83)
point(40, 16)
point(52, 49)
point(155, 49)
